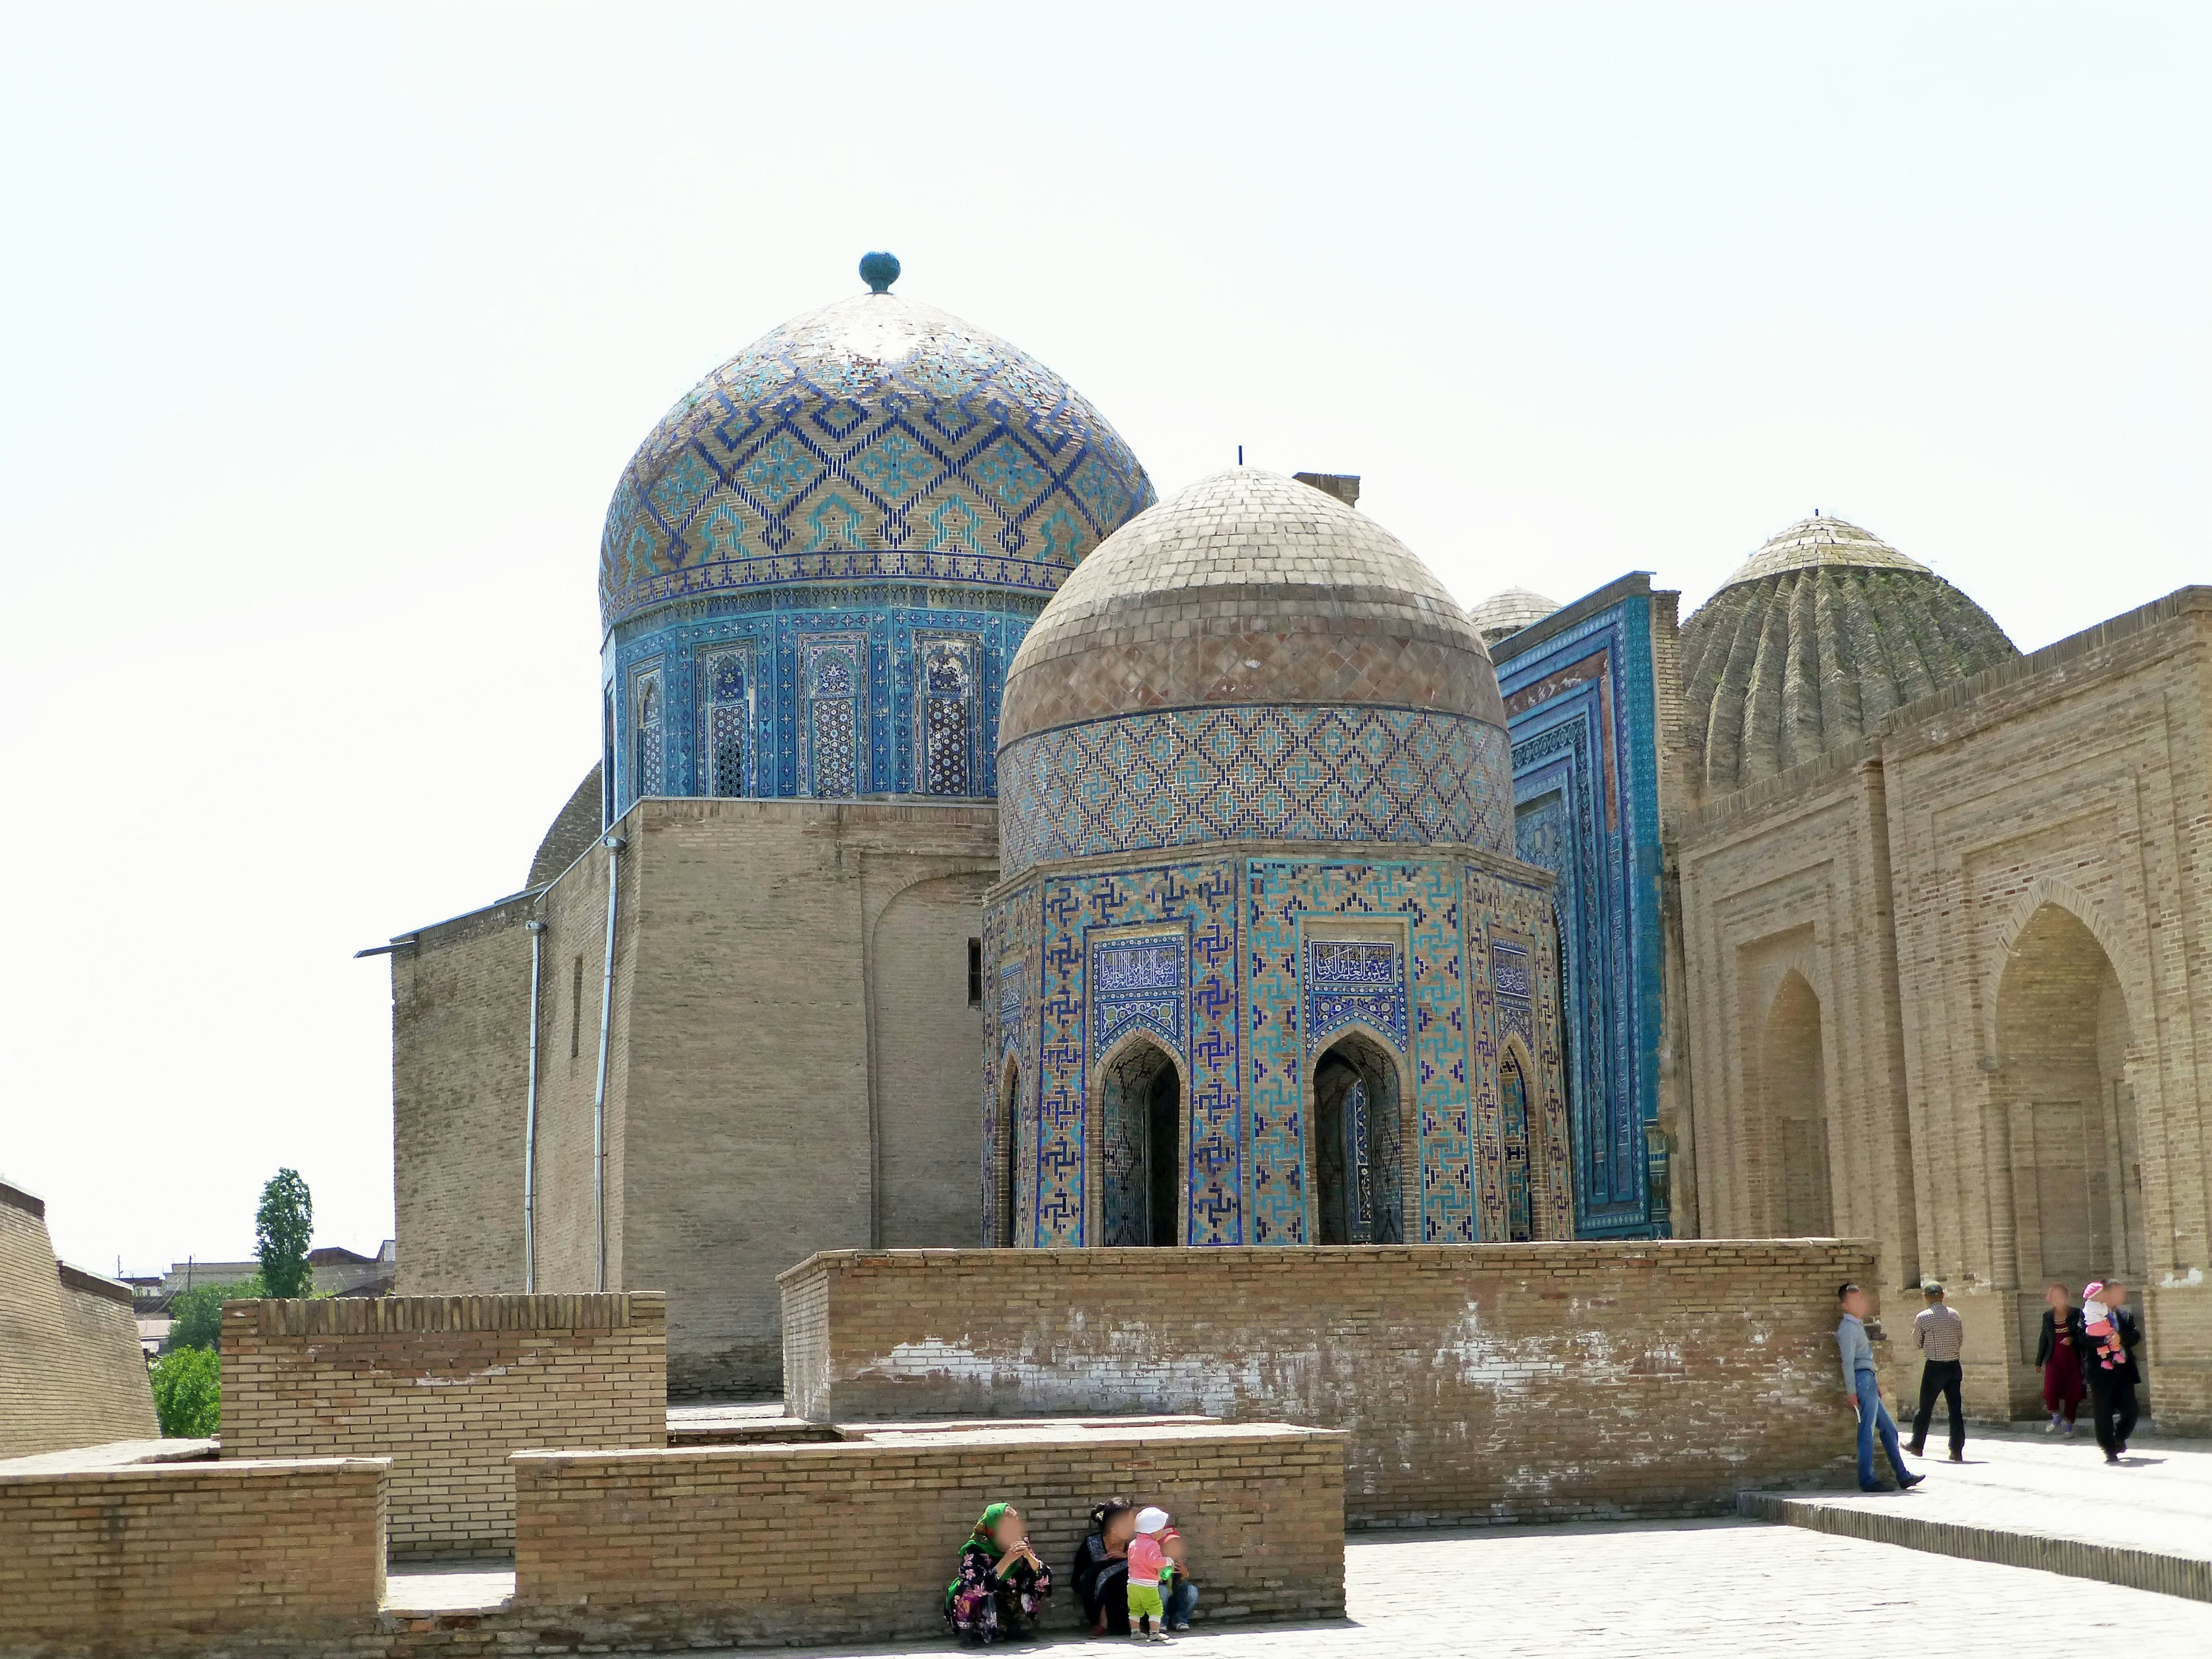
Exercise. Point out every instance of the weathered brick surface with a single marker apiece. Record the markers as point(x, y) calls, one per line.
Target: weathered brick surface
point(155, 1559)
point(793, 1065)
point(71, 1371)
point(817, 1543)
point(446, 1387)
point(1999, 901)
point(1487, 1382)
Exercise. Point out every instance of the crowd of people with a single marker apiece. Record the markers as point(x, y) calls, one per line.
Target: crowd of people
point(1131, 1573)
point(2087, 1352)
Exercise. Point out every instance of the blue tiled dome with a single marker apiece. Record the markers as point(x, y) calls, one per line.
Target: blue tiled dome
point(873, 439)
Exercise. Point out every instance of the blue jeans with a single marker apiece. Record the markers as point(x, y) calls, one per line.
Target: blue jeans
point(1181, 1600)
point(1873, 1414)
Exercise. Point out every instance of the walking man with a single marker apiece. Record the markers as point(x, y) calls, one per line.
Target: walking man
point(1866, 1393)
point(1941, 1333)
point(2112, 1393)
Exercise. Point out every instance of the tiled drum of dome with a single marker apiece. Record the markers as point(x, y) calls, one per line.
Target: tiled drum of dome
point(958, 459)
point(1173, 777)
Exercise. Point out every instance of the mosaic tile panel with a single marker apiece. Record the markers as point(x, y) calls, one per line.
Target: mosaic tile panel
point(1010, 957)
point(1173, 777)
point(1348, 980)
point(1580, 706)
point(1496, 912)
point(1137, 983)
point(875, 438)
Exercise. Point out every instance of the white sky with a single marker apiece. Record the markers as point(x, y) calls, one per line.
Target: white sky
point(325, 333)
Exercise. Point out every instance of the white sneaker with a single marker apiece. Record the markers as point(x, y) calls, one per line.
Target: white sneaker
point(2051, 1427)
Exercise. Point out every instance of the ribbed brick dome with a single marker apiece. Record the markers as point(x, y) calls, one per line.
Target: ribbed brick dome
point(1247, 587)
point(1812, 642)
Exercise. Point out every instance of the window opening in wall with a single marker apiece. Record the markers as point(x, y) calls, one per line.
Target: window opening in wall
point(1358, 1146)
point(833, 720)
point(1513, 1136)
point(1010, 1109)
point(576, 1011)
point(948, 722)
point(975, 973)
point(1141, 1148)
point(726, 723)
point(649, 780)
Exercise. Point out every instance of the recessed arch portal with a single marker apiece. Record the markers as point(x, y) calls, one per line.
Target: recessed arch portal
point(1139, 1120)
point(1792, 1095)
point(1009, 1117)
point(1520, 1143)
point(1356, 1159)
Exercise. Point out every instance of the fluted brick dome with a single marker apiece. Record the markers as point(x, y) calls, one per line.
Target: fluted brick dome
point(1248, 588)
point(1815, 638)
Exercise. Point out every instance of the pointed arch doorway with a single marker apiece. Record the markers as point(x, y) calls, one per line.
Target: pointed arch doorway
point(1141, 1151)
point(1357, 1158)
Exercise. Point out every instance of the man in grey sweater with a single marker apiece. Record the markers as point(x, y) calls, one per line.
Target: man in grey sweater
point(1866, 1393)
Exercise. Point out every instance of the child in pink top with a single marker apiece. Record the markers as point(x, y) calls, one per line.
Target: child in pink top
point(1147, 1560)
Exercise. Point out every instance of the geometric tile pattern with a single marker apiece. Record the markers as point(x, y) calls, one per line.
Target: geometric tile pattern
point(1580, 706)
point(874, 438)
point(1218, 946)
point(1173, 777)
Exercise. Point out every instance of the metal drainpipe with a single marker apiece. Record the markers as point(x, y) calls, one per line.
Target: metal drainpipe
point(536, 931)
point(614, 844)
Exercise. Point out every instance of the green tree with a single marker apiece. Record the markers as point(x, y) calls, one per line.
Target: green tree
point(196, 1316)
point(282, 1229)
point(188, 1392)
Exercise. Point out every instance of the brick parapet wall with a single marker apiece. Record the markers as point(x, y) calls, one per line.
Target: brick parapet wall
point(856, 1541)
point(151, 1559)
point(71, 1371)
point(1502, 1381)
point(445, 1387)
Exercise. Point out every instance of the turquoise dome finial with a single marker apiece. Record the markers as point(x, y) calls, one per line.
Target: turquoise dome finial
point(879, 272)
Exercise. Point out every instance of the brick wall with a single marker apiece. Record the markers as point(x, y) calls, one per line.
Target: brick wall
point(71, 1371)
point(1489, 1381)
point(855, 1542)
point(154, 1558)
point(446, 1387)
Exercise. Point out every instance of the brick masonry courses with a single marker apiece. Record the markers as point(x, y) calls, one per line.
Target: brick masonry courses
point(150, 1560)
point(727, 1545)
point(445, 1389)
point(71, 1371)
point(1485, 1382)
point(793, 1065)
point(1998, 901)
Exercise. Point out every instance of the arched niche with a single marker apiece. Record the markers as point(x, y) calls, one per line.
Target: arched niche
point(1138, 1146)
point(1361, 1161)
point(1792, 1105)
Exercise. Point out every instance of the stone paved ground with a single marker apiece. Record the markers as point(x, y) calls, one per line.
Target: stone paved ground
point(1716, 1589)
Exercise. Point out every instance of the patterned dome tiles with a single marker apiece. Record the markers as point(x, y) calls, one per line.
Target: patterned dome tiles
point(873, 438)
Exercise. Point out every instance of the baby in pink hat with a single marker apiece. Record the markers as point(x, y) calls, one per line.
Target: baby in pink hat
point(2096, 1324)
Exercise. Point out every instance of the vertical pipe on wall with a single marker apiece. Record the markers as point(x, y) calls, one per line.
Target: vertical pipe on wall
point(614, 844)
point(537, 930)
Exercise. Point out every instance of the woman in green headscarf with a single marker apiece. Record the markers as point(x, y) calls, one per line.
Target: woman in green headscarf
point(1002, 1583)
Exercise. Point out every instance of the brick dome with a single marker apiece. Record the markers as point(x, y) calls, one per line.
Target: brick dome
point(1248, 587)
point(1812, 642)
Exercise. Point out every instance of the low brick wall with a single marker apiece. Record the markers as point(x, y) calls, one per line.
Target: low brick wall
point(164, 1559)
point(745, 1545)
point(71, 1371)
point(445, 1386)
point(1488, 1382)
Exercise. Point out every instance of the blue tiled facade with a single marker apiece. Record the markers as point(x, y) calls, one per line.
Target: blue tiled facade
point(1580, 706)
point(816, 570)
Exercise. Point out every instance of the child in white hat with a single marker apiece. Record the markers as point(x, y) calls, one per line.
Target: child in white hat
point(1147, 1561)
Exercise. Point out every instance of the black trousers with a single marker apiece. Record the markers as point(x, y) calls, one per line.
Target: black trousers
point(2113, 1400)
point(1940, 1376)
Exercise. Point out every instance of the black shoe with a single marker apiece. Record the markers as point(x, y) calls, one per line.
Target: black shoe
point(1875, 1486)
point(1916, 1451)
point(2112, 1457)
point(1907, 1482)
point(1958, 1457)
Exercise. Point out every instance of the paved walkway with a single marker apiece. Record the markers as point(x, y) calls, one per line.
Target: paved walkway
point(1689, 1589)
point(2027, 1499)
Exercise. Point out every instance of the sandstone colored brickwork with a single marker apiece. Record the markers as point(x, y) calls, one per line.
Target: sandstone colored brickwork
point(71, 1371)
point(1495, 1382)
point(153, 1559)
point(793, 1065)
point(855, 1542)
point(446, 1388)
point(2000, 903)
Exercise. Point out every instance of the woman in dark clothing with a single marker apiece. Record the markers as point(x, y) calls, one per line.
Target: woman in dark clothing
point(1002, 1583)
point(2058, 1355)
point(1101, 1568)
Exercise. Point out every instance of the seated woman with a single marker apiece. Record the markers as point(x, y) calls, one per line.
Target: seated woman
point(1002, 1583)
point(1101, 1568)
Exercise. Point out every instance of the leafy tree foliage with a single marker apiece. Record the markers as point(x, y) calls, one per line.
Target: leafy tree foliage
point(188, 1392)
point(196, 1315)
point(282, 1229)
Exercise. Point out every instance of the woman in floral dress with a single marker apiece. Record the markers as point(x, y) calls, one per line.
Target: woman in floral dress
point(1002, 1583)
